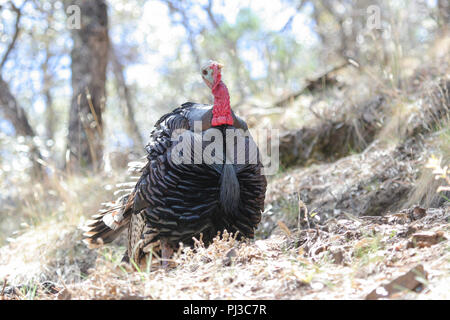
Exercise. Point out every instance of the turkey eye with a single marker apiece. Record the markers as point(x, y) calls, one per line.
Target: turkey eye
point(205, 72)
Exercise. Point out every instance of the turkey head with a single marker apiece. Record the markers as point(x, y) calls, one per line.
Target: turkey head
point(211, 73)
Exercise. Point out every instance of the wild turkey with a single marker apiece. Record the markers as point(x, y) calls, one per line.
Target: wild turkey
point(173, 202)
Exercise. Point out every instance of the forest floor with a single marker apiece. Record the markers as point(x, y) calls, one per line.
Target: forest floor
point(402, 254)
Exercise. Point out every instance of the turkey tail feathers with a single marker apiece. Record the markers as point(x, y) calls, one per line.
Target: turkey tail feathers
point(229, 190)
point(107, 225)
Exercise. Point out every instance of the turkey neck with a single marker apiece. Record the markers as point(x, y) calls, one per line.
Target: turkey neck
point(221, 109)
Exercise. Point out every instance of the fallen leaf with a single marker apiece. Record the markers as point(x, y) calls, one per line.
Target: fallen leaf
point(229, 256)
point(408, 281)
point(419, 213)
point(338, 256)
point(284, 227)
point(426, 239)
point(321, 249)
point(64, 294)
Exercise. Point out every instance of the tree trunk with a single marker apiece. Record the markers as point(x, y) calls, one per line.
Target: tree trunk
point(13, 112)
point(49, 115)
point(9, 106)
point(49, 110)
point(125, 100)
point(444, 13)
point(89, 60)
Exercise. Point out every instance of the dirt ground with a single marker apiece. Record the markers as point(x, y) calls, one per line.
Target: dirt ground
point(324, 254)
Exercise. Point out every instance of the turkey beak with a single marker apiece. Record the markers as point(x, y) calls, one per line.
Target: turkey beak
point(220, 66)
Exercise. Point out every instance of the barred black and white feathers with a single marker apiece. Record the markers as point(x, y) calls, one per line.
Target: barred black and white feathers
point(114, 217)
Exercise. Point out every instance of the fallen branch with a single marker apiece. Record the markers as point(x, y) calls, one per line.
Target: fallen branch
point(321, 81)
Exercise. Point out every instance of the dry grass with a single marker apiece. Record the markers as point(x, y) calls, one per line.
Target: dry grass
point(426, 187)
point(346, 258)
point(41, 237)
point(58, 196)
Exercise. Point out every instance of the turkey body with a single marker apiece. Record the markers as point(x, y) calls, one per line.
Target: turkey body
point(174, 201)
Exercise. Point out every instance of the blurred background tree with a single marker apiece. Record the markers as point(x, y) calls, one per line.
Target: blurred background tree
point(89, 56)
